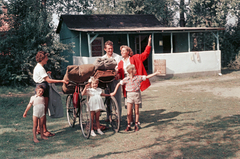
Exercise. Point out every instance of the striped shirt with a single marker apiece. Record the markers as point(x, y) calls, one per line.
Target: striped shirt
point(133, 85)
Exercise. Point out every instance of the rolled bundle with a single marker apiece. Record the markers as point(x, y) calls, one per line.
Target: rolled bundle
point(110, 63)
point(99, 64)
point(77, 74)
point(105, 64)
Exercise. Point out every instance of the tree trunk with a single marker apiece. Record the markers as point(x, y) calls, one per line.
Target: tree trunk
point(182, 19)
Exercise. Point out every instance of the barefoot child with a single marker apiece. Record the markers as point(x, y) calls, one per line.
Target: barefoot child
point(95, 102)
point(40, 77)
point(38, 103)
point(132, 83)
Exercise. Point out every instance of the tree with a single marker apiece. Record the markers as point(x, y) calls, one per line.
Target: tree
point(70, 6)
point(108, 7)
point(163, 11)
point(30, 31)
point(214, 13)
point(230, 43)
point(230, 47)
point(207, 13)
point(182, 11)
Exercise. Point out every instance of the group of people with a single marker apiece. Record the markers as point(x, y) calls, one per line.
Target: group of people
point(131, 75)
point(41, 97)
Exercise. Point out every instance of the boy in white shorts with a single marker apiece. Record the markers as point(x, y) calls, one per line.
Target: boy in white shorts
point(38, 103)
point(133, 83)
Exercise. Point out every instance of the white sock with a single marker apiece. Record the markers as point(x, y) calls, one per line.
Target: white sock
point(93, 133)
point(100, 131)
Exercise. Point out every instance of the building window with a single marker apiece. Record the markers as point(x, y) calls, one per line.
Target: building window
point(202, 41)
point(180, 42)
point(97, 47)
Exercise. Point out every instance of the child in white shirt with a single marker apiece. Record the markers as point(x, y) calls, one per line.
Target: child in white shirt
point(38, 103)
point(95, 102)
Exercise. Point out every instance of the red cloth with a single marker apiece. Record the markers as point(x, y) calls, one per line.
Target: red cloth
point(137, 60)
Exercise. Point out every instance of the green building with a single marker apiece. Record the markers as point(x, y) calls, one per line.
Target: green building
point(187, 50)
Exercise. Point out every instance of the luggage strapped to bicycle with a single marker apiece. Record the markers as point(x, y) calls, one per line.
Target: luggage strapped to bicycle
point(105, 76)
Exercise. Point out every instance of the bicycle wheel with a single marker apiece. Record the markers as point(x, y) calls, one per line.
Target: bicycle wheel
point(85, 119)
point(71, 111)
point(114, 115)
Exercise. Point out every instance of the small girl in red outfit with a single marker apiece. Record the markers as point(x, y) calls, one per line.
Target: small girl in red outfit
point(133, 83)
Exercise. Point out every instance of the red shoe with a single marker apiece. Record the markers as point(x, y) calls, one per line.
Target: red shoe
point(48, 134)
point(136, 128)
point(128, 129)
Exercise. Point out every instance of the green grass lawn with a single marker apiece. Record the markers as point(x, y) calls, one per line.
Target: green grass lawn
point(177, 121)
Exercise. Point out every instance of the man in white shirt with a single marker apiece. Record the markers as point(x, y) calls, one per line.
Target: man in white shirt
point(108, 48)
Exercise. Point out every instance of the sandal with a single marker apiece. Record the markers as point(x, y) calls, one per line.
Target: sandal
point(48, 134)
point(38, 132)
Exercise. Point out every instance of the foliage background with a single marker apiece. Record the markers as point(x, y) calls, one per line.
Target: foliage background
point(30, 30)
point(215, 13)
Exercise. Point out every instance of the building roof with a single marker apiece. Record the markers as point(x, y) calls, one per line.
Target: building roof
point(119, 23)
point(107, 21)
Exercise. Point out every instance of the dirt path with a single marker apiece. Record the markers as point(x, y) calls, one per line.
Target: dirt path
point(183, 81)
point(192, 85)
point(166, 83)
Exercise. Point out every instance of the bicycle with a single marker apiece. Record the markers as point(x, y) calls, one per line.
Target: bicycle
point(82, 111)
point(111, 107)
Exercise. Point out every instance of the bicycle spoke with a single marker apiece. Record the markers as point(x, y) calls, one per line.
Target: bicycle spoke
point(114, 117)
point(85, 119)
point(71, 114)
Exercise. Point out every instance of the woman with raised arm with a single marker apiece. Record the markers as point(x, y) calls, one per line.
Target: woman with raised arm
point(137, 60)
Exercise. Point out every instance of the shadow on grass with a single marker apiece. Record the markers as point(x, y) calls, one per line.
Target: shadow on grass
point(215, 138)
point(16, 139)
point(157, 117)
